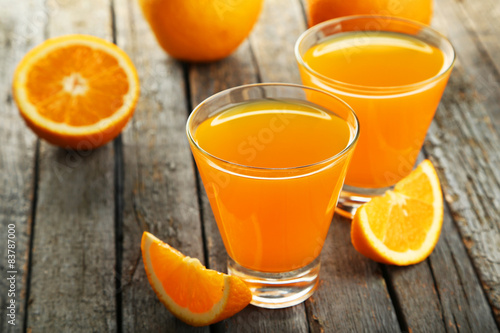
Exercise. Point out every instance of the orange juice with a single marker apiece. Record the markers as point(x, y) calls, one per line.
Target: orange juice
point(386, 78)
point(272, 170)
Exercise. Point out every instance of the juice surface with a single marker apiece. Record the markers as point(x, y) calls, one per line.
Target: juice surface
point(375, 59)
point(393, 122)
point(273, 134)
point(273, 221)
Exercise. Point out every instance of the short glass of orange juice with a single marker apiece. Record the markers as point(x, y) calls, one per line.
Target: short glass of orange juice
point(393, 73)
point(273, 163)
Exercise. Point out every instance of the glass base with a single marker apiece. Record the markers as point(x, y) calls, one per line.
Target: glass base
point(278, 290)
point(352, 197)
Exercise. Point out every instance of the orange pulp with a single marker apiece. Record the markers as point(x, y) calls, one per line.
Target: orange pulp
point(385, 78)
point(272, 219)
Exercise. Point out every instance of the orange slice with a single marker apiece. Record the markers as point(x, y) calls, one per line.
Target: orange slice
point(194, 294)
point(402, 227)
point(76, 91)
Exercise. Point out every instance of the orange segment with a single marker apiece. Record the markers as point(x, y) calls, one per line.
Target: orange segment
point(76, 91)
point(403, 226)
point(193, 293)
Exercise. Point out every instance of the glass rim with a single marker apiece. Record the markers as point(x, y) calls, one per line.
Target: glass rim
point(365, 88)
point(347, 148)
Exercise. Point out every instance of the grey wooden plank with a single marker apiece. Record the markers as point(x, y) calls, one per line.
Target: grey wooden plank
point(477, 39)
point(205, 80)
point(463, 141)
point(272, 46)
point(375, 283)
point(481, 17)
point(273, 40)
point(159, 182)
point(72, 280)
point(413, 288)
point(17, 165)
point(208, 79)
point(256, 320)
point(464, 305)
point(444, 289)
point(336, 298)
point(423, 303)
point(415, 296)
point(73, 260)
point(352, 295)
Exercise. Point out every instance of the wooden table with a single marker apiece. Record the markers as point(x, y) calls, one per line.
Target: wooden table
point(78, 216)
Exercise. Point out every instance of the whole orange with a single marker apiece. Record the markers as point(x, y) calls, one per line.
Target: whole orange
point(200, 30)
point(322, 10)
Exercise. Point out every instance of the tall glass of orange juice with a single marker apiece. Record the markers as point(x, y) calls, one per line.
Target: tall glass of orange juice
point(393, 72)
point(273, 163)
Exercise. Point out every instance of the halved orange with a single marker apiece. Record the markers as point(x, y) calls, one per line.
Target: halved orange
point(194, 294)
point(76, 91)
point(402, 227)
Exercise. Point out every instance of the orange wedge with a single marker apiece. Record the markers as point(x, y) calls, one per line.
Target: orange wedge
point(76, 91)
point(402, 227)
point(194, 294)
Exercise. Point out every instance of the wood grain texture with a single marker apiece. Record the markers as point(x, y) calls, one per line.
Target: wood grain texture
point(208, 79)
point(482, 18)
point(273, 40)
point(253, 319)
point(475, 27)
point(444, 289)
point(464, 305)
point(159, 184)
point(463, 142)
point(17, 156)
point(414, 288)
point(73, 278)
point(352, 295)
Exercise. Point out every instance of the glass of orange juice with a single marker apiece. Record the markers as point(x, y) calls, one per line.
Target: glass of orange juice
point(393, 72)
point(273, 163)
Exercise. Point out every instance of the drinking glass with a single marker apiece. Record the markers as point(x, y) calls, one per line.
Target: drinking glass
point(394, 116)
point(274, 216)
